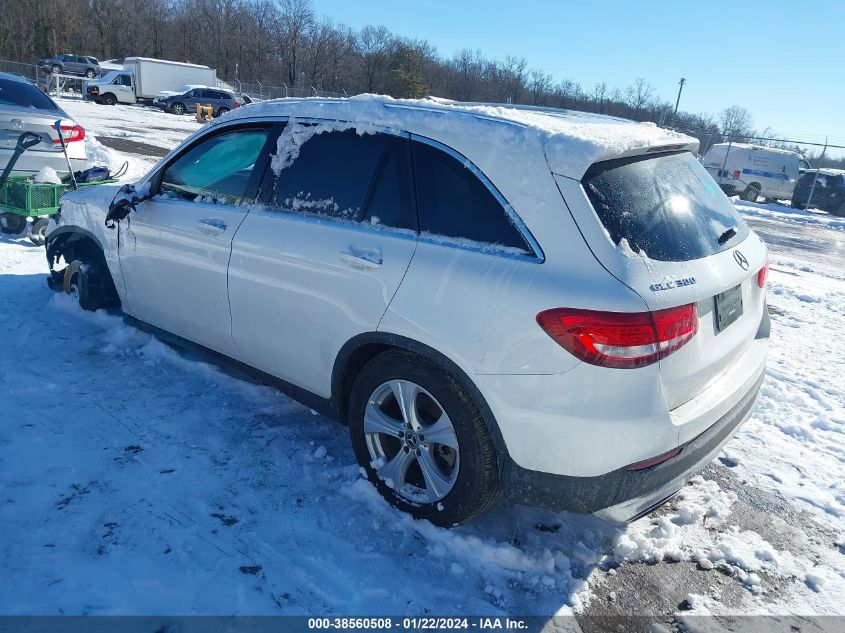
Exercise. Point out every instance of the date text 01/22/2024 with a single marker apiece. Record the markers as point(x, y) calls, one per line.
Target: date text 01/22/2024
point(416, 624)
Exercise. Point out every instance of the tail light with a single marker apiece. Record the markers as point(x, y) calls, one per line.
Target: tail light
point(620, 339)
point(237, 104)
point(737, 174)
point(763, 274)
point(71, 134)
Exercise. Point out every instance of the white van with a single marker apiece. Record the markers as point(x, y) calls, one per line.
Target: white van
point(754, 170)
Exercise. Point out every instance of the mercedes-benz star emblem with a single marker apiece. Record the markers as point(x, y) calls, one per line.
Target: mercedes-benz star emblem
point(740, 259)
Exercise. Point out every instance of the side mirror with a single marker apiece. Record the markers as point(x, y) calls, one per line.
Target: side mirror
point(124, 203)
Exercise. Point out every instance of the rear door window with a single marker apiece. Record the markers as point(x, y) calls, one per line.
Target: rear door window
point(667, 206)
point(347, 176)
point(453, 202)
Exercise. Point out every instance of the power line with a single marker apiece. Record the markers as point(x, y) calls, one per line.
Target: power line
point(756, 138)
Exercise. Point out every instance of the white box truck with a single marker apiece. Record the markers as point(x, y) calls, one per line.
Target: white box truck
point(753, 170)
point(143, 79)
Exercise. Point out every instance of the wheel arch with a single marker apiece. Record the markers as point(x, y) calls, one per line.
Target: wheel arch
point(73, 242)
point(65, 236)
point(359, 350)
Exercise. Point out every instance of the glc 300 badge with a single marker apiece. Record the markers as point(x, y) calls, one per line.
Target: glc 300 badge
point(672, 283)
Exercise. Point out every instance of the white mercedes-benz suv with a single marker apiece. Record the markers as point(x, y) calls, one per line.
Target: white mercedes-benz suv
point(555, 306)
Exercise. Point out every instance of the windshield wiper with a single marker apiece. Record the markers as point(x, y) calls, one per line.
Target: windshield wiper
point(724, 237)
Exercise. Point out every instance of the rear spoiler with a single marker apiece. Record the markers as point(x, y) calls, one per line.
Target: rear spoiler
point(689, 146)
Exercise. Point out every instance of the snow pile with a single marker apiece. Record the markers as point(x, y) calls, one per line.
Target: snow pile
point(48, 175)
point(675, 535)
point(554, 566)
point(697, 529)
point(100, 155)
point(783, 213)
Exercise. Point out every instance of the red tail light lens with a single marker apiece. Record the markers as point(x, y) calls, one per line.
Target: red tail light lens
point(620, 339)
point(71, 133)
point(763, 274)
point(237, 104)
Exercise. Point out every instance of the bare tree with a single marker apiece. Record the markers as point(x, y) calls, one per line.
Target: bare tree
point(374, 49)
point(297, 17)
point(735, 123)
point(599, 96)
point(639, 94)
point(540, 83)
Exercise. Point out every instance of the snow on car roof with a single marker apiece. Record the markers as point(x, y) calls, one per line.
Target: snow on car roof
point(572, 141)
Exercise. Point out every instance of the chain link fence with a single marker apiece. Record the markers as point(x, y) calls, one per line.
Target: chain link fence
point(259, 91)
point(27, 71)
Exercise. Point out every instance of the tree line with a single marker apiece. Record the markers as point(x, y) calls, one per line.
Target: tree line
point(284, 42)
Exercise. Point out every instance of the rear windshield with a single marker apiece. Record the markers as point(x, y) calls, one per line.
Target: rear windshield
point(19, 93)
point(667, 206)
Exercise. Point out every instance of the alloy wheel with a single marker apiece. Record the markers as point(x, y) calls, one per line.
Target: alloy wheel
point(412, 442)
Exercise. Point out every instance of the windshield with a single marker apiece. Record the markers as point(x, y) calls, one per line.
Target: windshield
point(667, 206)
point(24, 95)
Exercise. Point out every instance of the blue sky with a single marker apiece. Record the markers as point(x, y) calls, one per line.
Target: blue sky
point(783, 61)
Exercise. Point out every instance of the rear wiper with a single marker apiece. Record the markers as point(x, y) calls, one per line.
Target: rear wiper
point(724, 237)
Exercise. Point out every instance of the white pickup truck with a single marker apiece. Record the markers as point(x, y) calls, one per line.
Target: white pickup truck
point(144, 79)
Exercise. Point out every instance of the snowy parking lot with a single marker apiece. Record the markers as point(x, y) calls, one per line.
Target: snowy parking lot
point(138, 479)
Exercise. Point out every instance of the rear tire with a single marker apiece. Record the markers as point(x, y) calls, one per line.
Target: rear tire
point(223, 110)
point(178, 109)
point(751, 193)
point(446, 482)
point(38, 231)
point(56, 69)
point(13, 224)
point(90, 73)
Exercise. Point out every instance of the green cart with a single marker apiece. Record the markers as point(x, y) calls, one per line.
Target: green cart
point(21, 198)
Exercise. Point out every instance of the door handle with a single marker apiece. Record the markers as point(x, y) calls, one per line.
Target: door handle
point(212, 225)
point(356, 260)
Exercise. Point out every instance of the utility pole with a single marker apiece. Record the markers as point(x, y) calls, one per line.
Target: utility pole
point(816, 177)
point(678, 100)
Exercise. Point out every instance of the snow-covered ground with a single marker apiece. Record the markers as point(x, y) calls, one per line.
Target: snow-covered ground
point(136, 479)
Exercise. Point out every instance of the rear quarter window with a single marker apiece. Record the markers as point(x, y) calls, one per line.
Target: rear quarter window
point(666, 206)
point(455, 203)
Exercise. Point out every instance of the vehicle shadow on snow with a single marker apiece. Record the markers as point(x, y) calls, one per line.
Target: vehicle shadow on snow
point(188, 466)
point(19, 239)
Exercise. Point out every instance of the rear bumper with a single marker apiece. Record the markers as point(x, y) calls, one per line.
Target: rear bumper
point(622, 495)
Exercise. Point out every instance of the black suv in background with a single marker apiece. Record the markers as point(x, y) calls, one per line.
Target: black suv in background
point(828, 194)
point(221, 100)
point(71, 65)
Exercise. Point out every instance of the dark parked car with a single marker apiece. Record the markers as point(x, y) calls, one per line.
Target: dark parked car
point(71, 65)
point(221, 100)
point(828, 194)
